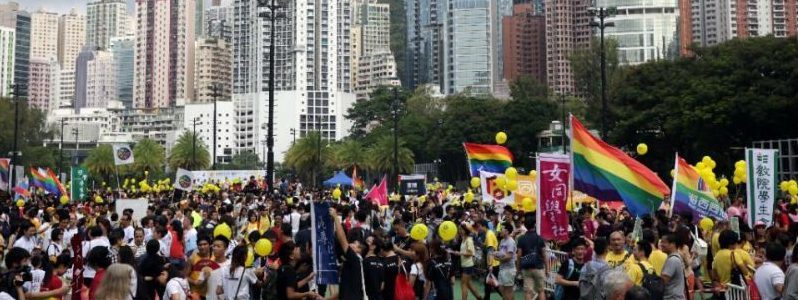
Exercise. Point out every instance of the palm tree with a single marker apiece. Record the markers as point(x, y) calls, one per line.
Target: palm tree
point(303, 156)
point(380, 156)
point(349, 153)
point(190, 153)
point(148, 156)
point(100, 162)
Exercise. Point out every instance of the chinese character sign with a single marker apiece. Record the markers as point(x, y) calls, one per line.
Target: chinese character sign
point(323, 237)
point(78, 185)
point(554, 172)
point(412, 184)
point(762, 183)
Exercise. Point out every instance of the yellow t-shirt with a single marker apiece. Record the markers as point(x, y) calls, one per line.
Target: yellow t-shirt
point(636, 273)
point(657, 260)
point(722, 266)
point(491, 242)
point(615, 260)
point(715, 243)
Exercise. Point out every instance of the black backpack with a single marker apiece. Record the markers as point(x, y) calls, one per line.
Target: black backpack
point(652, 283)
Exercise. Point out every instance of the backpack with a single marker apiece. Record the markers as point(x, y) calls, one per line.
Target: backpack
point(652, 283)
point(531, 259)
point(590, 282)
point(559, 290)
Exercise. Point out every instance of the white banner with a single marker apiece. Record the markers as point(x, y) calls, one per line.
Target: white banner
point(762, 184)
point(139, 207)
point(491, 191)
point(123, 155)
point(229, 175)
point(184, 180)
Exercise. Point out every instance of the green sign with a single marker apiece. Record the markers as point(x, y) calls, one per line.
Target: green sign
point(77, 186)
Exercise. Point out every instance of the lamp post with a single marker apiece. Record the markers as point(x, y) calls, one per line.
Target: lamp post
point(61, 149)
point(75, 132)
point(562, 125)
point(194, 143)
point(18, 90)
point(395, 113)
point(272, 15)
point(318, 157)
point(215, 88)
point(602, 13)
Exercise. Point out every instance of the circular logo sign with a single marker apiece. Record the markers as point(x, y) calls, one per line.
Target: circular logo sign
point(184, 181)
point(123, 153)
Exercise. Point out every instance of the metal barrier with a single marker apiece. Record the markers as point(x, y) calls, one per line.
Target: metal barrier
point(736, 292)
point(554, 259)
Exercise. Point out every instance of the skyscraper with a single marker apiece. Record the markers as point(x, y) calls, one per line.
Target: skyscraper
point(19, 20)
point(218, 23)
point(716, 21)
point(424, 58)
point(71, 38)
point(43, 89)
point(6, 60)
point(164, 56)
point(372, 63)
point(524, 47)
point(469, 47)
point(567, 29)
point(212, 67)
point(44, 35)
point(106, 19)
point(95, 79)
point(123, 50)
point(645, 29)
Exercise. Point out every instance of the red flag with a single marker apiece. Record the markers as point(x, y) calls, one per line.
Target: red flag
point(357, 183)
point(379, 193)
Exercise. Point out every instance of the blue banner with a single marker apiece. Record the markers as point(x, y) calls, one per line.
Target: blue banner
point(323, 235)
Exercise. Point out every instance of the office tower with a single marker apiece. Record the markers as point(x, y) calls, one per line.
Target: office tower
point(424, 58)
point(469, 47)
point(123, 50)
point(106, 19)
point(43, 35)
point(43, 89)
point(7, 37)
point(218, 23)
point(95, 79)
point(645, 29)
point(373, 64)
point(12, 17)
point(71, 38)
point(212, 67)
point(524, 47)
point(567, 30)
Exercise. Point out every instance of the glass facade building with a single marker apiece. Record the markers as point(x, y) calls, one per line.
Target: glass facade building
point(645, 29)
point(124, 51)
point(469, 47)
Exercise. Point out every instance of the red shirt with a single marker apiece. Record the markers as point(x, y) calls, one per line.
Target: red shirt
point(95, 283)
point(54, 284)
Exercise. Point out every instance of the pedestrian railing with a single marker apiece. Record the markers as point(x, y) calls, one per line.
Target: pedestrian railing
point(554, 259)
point(736, 292)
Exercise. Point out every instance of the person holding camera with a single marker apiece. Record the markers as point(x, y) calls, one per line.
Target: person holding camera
point(17, 261)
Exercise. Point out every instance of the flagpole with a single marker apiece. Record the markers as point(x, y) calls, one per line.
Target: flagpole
point(116, 168)
point(673, 187)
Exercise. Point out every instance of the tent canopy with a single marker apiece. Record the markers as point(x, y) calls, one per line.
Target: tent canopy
point(339, 178)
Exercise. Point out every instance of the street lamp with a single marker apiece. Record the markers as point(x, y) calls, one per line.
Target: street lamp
point(395, 106)
point(318, 157)
point(194, 122)
point(215, 89)
point(293, 136)
point(562, 125)
point(61, 148)
point(18, 90)
point(272, 15)
point(75, 132)
point(601, 13)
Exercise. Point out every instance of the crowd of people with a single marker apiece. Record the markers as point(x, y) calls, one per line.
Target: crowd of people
point(88, 250)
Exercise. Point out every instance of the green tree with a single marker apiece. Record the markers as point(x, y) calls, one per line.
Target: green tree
point(380, 156)
point(586, 68)
point(190, 153)
point(244, 160)
point(100, 162)
point(348, 153)
point(32, 131)
point(148, 156)
point(303, 157)
point(525, 115)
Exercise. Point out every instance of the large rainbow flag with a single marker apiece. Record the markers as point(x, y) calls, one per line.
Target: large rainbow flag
point(607, 173)
point(488, 158)
point(46, 179)
point(691, 193)
point(5, 168)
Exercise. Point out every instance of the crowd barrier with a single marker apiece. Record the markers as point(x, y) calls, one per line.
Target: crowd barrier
point(554, 259)
point(736, 292)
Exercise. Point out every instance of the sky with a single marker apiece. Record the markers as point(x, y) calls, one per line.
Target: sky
point(63, 6)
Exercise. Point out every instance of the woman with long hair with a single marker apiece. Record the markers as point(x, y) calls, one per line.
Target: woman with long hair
point(466, 253)
point(439, 271)
point(56, 245)
point(372, 270)
point(390, 268)
point(236, 278)
point(117, 283)
point(177, 246)
point(417, 273)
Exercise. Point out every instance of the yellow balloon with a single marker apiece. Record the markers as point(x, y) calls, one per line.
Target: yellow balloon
point(336, 193)
point(737, 180)
point(98, 199)
point(64, 199)
point(501, 137)
point(250, 258)
point(724, 182)
point(419, 232)
point(501, 182)
point(784, 186)
point(469, 197)
point(533, 174)
point(511, 173)
point(700, 166)
point(706, 224)
point(642, 149)
point(740, 164)
point(447, 230)
point(474, 182)
point(289, 201)
point(263, 247)
point(527, 204)
point(673, 172)
point(20, 203)
point(793, 190)
point(724, 190)
point(715, 193)
point(224, 230)
point(512, 185)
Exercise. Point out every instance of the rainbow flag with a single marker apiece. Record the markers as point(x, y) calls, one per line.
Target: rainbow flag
point(5, 168)
point(608, 174)
point(488, 158)
point(692, 194)
point(21, 190)
point(46, 179)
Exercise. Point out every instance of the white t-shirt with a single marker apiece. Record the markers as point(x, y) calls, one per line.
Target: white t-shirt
point(177, 286)
point(89, 272)
point(166, 244)
point(215, 280)
point(27, 243)
point(766, 277)
point(35, 285)
point(239, 283)
point(416, 270)
point(294, 217)
point(129, 234)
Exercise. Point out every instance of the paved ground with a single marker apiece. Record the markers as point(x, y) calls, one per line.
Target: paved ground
point(494, 296)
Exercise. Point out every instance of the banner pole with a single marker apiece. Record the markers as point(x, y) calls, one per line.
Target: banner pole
point(116, 168)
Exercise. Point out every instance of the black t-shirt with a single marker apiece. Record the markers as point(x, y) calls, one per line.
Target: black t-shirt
point(440, 274)
point(351, 287)
point(530, 243)
point(286, 277)
point(373, 274)
point(390, 268)
point(570, 274)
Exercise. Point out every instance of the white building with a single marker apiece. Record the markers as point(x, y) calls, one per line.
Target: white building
point(71, 38)
point(95, 79)
point(7, 36)
point(373, 64)
point(43, 34)
point(374, 70)
point(645, 29)
point(202, 114)
point(43, 83)
point(105, 19)
point(66, 87)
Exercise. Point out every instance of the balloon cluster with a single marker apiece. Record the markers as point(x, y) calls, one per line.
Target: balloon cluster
point(740, 175)
point(790, 187)
point(705, 169)
point(210, 188)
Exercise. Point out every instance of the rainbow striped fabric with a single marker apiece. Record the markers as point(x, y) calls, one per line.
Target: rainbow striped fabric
point(692, 194)
point(488, 158)
point(608, 174)
point(46, 179)
point(5, 168)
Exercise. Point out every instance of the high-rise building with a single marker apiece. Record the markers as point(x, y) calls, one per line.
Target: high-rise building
point(218, 23)
point(71, 38)
point(6, 60)
point(66, 86)
point(469, 47)
point(95, 79)
point(370, 48)
point(375, 69)
point(43, 35)
point(213, 62)
point(645, 29)
point(567, 29)
point(43, 89)
point(424, 58)
point(106, 19)
point(374, 19)
point(12, 17)
point(715, 21)
point(123, 50)
point(164, 55)
point(524, 47)
point(199, 13)
point(343, 60)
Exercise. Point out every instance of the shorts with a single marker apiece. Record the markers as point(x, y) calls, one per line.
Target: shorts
point(507, 277)
point(469, 271)
point(534, 280)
